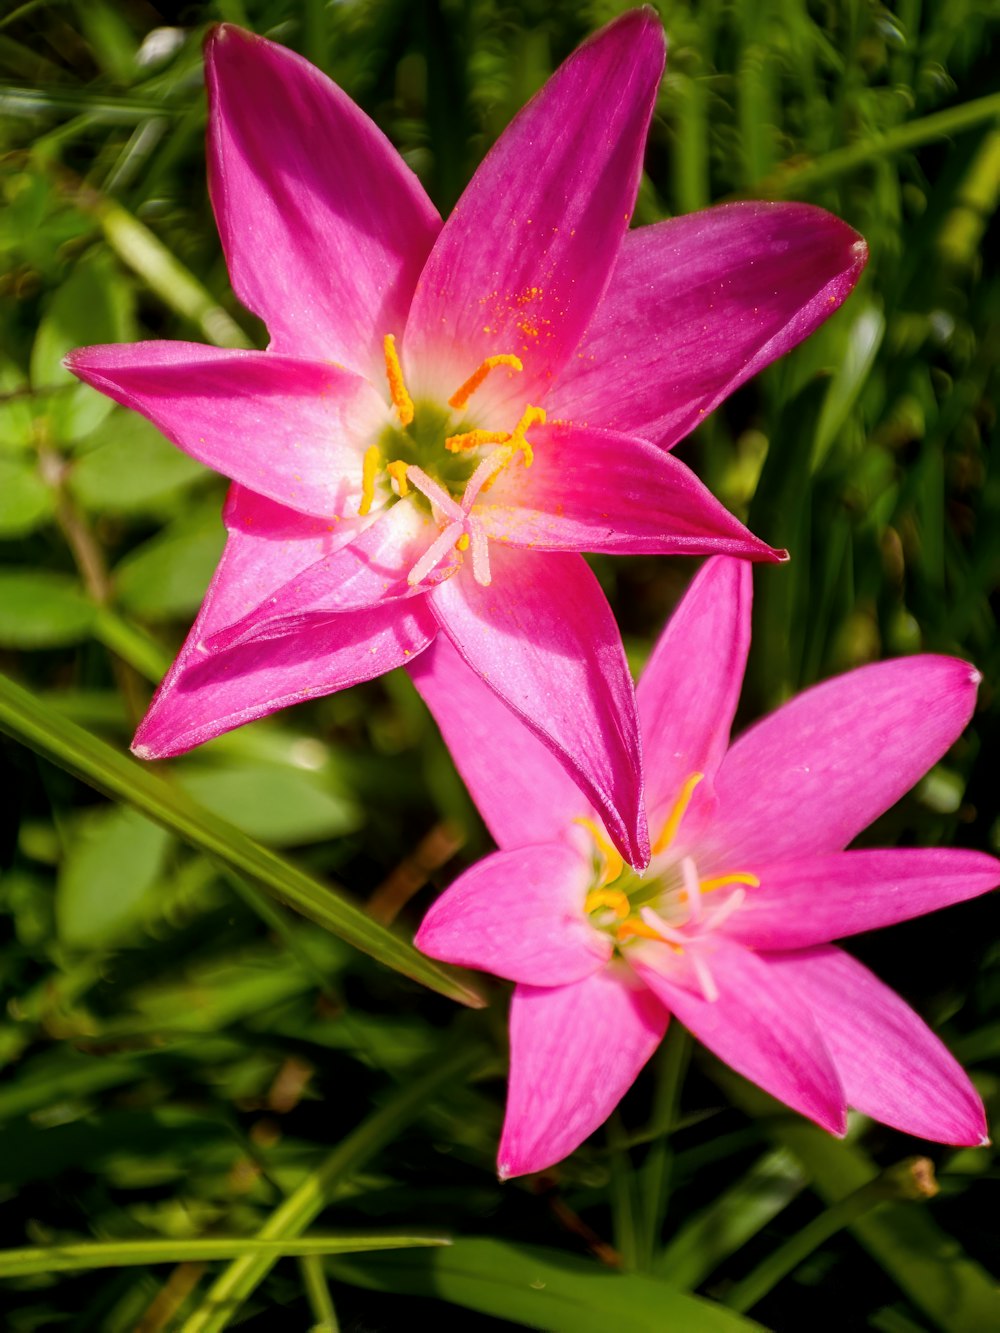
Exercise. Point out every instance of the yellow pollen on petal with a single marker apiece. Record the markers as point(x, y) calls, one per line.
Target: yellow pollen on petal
point(401, 400)
point(739, 877)
point(635, 926)
point(613, 863)
point(612, 898)
point(677, 813)
point(463, 542)
point(462, 395)
point(397, 471)
point(369, 471)
point(472, 439)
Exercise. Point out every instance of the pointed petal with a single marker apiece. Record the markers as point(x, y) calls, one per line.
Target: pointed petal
point(226, 690)
point(525, 256)
point(372, 568)
point(265, 547)
point(523, 792)
point(698, 305)
point(813, 774)
point(756, 1024)
point(814, 899)
point(543, 638)
point(294, 431)
point(689, 691)
point(574, 1053)
point(324, 226)
point(891, 1064)
point(592, 490)
point(519, 915)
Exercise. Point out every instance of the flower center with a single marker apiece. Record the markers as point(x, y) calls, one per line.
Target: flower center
point(446, 461)
point(667, 905)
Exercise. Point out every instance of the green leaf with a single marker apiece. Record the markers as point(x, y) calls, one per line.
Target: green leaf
point(16, 433)
point(243, 1277)
point(131, 468)
point(42, 610)
point(113, 862)
point(281, 806)
point(128, 1253)
point(93, 305)
point(35, 724)
point(25, 500)
point(543, 1288)
point(167, 576)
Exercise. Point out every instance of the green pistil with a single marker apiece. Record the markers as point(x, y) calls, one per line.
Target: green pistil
point(422, 443)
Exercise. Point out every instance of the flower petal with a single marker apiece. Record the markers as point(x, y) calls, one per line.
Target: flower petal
point(543, 638)
point(891, 1064)
point(574, 1053)
point(203, 695)
point(594, 490)
point(523, 792)
point(690, 688)
point(527, 253)
point(324, 226)
point(294, 431)
point(371, 568)
point(698, 305)
point(756, 1024)
point(519, 914)
point(813, 774)
point(814, 899)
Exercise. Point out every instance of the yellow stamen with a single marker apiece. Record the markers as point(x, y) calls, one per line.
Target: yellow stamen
point(612, 898)
point(472, 439)
point(401, 400)
point(613, 863)
point(634, 926)
point(463, 542)
point(369, 471)
point(397, 471)
point(533, 416)
point(462, 395)
point(740, 877)
point(677, 814)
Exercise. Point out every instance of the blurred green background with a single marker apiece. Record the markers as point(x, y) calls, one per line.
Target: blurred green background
point(185, 1061)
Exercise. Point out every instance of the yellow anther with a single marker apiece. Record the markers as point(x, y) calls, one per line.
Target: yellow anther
point(397, 471)
point(613, 863)
point(463, 542)
point(677, 814)
point(533, 416)
point(472, 439)
point(462, 395)
point(613, 898)
point(635, 926)
point(369, 471)
point(740, 877)
point(401, 400)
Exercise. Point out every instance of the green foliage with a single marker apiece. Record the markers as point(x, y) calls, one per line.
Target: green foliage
point(196, 1076)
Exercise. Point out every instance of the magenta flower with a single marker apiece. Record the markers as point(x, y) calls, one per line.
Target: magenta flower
point(448, 414)
point(730, 927)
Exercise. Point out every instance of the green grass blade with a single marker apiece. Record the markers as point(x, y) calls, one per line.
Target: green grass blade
point(874, 147)
point(927, 1265)
point(131, 1253)
point(34, 723)
point(243, 1276)
point(544, 1288)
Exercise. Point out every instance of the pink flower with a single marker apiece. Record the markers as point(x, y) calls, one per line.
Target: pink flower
point(447, 414)
point(730, 927)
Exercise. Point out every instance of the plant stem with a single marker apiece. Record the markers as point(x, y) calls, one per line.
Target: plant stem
point(911, 1179)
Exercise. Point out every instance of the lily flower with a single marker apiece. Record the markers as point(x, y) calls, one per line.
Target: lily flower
point(447, 414)
point(730, 928)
